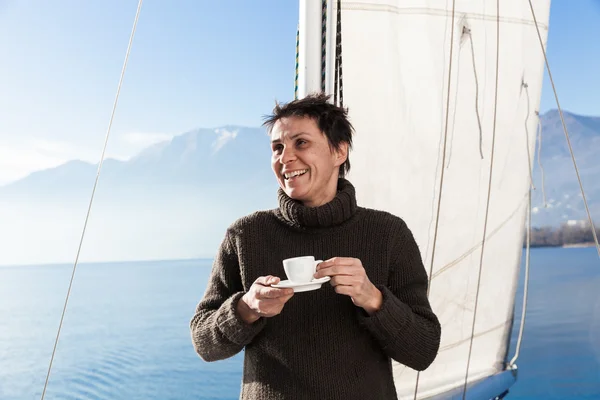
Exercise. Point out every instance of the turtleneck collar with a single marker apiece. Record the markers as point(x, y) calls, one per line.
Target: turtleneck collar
point(337, 211)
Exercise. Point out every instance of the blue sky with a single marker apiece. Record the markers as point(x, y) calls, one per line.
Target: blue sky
point(193, 64)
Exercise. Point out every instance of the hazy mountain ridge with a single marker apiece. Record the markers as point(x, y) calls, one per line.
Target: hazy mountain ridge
point(176, 198)
point(199, 158)
point(234, 155)
point(562, 189)
point(173, 200)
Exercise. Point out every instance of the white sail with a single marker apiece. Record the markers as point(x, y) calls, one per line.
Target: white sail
point(396, 57)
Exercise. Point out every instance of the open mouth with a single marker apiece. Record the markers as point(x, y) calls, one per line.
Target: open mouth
point(294, 174)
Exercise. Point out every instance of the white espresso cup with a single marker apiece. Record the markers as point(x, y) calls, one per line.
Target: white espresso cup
point(300, 269)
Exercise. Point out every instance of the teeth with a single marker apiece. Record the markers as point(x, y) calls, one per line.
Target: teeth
point(295, 173)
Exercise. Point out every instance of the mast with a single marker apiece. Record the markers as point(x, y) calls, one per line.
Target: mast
point(309, 59)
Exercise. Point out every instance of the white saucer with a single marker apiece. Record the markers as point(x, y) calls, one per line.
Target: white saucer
point(302, 287)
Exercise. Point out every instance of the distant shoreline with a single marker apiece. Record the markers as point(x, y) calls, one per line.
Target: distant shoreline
point(586, 244)
point(561, 246)
point(565, 236)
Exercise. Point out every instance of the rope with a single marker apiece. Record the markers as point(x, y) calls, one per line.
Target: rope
point(525, 284)
point(525, 86)
point(323, 44)
point(297, 55)
point(562, 119)
point(487, 207)
point(437, 218)
point(539, 157)
point(92, 196)
point(468, 32)
point(338, 84)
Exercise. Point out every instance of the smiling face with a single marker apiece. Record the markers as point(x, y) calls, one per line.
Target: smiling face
point(305, 165)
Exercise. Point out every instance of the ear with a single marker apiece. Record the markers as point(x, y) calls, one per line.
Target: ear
point(341, 155)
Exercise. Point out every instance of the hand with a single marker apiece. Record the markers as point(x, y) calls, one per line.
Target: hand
point(348, 277)
point(262, 300)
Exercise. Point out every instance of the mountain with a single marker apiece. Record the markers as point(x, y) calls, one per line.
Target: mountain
point(563, 194)
point(176, 198)
point(173, 200)
point(200, 158)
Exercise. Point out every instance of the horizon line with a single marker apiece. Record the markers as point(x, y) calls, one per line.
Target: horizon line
point(137, 261)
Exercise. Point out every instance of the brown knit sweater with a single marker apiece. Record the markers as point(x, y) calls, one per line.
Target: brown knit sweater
point(321, 346)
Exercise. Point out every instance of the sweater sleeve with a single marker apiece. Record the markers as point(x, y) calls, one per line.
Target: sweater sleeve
point(217, 330)
point(405, 326)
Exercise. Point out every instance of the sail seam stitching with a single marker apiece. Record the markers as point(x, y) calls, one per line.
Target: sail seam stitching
point(357, 6)
point(478, 245)
point(490, 330)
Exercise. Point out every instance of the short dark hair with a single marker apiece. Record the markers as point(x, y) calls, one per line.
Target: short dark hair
point(331, 119)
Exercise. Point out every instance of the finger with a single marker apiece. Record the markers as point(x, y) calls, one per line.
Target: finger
point(347, 261)
point(327, 263)
point(341, 261)
point(334, 270)
point(272, 293)
point(267, 280)
point(343, 280)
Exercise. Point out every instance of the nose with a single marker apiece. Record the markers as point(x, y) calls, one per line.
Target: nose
point(287, 155)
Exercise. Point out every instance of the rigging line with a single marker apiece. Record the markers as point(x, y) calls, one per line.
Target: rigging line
point(487, 207)
point(470, 251)
point(339, 77)
point(337, 55)
point(442, 87)
point(341, 59)
point(437, 218)
point(454, 112)
point(323, 43)
point(479, 334)
point(93, 193)
point(297, 55)
point(539, 157)
point(562, 119)
point(468, 31)
point(525, 286)
point(525, 86)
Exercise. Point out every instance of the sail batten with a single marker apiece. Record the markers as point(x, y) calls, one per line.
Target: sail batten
point(396, 56)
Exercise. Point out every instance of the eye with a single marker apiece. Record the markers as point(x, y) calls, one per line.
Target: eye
point(301, 142)
point(277, 148)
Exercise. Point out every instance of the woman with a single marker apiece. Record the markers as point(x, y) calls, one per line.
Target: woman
point(336, 342)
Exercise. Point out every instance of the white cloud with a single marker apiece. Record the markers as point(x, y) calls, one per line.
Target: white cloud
point(224, 136)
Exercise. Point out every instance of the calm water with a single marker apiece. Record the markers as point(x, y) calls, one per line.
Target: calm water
point(125, 335)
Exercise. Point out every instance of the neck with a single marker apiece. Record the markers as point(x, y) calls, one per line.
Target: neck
point(327, 196)
point(340, 208)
